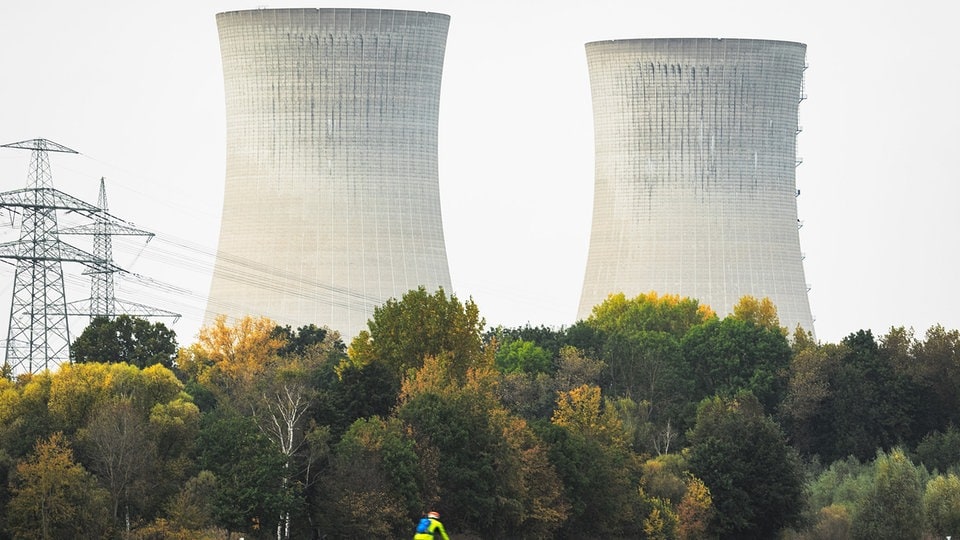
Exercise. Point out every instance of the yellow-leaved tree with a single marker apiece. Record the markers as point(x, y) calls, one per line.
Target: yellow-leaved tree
point(761, 312)
point(582, 409)
point(53, 496)
point(229, 359)
point(695, 510)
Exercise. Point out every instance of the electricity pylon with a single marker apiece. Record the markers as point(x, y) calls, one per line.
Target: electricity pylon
point(102, 301)
point(38, 337)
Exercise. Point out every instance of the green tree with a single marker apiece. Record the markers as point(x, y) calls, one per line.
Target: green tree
point(940, 451)
point(589, 448)
point(306, 337)
point(649, 366)
point(127, 339)
point(192, 508)
point(866, 407)
point(639, 341)
point(844, 483)
point(54, 497)
point(492, 470)
point(375, 485)
point(361, 391)
point(892, 509)
point(941, 505)
point(249, 471)
point(754, 477)
point(732, 355)
point(403, 333)
point(601, 483)
point(545, 337)
point(519, 356)
point(931, 371)
point(808, 387)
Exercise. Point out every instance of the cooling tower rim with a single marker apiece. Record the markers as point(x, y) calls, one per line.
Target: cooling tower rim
point(666, 40)
point(332, 9)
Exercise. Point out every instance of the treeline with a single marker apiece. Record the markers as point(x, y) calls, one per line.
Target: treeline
point(653, 418)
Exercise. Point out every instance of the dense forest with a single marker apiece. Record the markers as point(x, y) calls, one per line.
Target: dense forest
point(653, 418)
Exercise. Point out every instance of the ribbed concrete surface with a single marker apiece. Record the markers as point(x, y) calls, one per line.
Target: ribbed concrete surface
point(695, 190)
point(331, 202)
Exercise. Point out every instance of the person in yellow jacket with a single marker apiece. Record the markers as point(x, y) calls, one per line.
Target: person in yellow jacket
point(431, 527)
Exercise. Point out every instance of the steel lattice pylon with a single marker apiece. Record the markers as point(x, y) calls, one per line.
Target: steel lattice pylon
point(38, 337)
point(102, 301)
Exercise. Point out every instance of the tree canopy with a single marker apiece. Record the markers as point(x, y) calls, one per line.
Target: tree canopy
point(125, 339)
point(653, 419)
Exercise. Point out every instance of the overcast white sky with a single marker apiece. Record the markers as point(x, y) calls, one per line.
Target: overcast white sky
point(136, 87)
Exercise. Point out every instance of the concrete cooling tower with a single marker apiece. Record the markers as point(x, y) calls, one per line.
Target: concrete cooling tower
point(695, 192)
point(331, 200)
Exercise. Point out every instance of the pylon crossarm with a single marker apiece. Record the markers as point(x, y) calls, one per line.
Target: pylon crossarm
point(111, 228)
point(53, 251)
point(43, 145)
point(47, 199)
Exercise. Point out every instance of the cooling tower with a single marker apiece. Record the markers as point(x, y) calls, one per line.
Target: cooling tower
point(331, 200)
point(695, 188)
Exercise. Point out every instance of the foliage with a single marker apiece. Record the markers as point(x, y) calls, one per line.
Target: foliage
point(666, 477)
point(731, 355)
point(754, 477)
point(892, 508)
point(362, 391)
point(192, 509)
point(493, 471)
point(402, 333)
point(649, 312)
point(849, 399)
point(230, 359)
point(307, 337)
point(125, 339)
point(25, 414)
point(248, 469)
point(519, 356)
point(940, 451)
point(583, 411)
point(575, 369)
point(761, 312)
point(661, 522)
point(941, 505)
point(375, 485)
point(77, 390)
point(54, 497)
point(648, 366)
point(120, 454)
point(935, 364)
point(808, 388)
point(929, 372)
point(695, 511)
point(533, 396)
point(830, 523)
point(844, 483)
point(600, 482)
point(549, 339)
point(526, 432)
